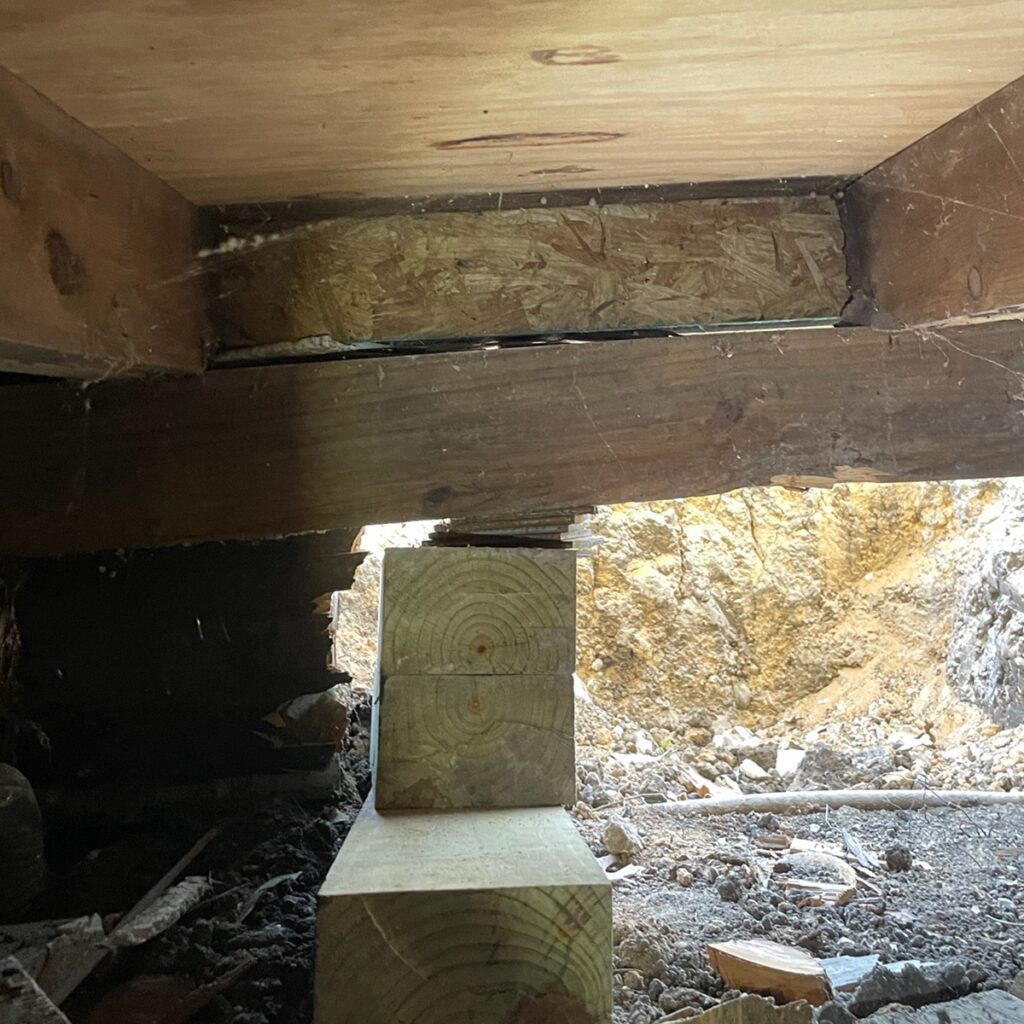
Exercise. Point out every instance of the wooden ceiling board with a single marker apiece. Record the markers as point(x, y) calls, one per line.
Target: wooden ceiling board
point(259, 100)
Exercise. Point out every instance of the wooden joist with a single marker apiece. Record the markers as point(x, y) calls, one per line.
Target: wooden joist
point(288, 449)
point(534, 271)
point(441, 916)
point(97, 252)
point(937, 231)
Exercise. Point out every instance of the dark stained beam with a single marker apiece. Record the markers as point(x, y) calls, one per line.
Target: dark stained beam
point(97, 252)
point(248, 453)
point(937, 231)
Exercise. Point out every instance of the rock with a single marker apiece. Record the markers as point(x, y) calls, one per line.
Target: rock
point(752, 770)
point(834, 769)
point(833, 1013)
point(742, 696)
point(621, 838)
point(910, 983)
point(899, 858)
point(1017, 985)
point(729, 889)
point(641, 952)
point(788, 761)
point(683, 877)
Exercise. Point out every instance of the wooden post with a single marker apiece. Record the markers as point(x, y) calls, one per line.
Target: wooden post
point(459, 896)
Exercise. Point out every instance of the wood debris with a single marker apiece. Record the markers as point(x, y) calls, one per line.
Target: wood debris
point(164, 912)
point(55, 953)
point(745, 1010)
point(769, 968)
point(22, 1001)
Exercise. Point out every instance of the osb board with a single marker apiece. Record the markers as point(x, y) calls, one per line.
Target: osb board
point(445, 275)
point(939, 228)
point(259, 99)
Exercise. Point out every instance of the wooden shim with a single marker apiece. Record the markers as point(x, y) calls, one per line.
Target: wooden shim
point(938, 230)
point(464, 915)
point(96, 279)
point(475, 741)
point(536, 271)
point(477, 611)
point(291, 449)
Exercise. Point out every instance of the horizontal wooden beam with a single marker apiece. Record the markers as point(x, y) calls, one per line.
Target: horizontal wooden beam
point(937, 231)
point(276, 450)
point(97, 252)
point(533, 271)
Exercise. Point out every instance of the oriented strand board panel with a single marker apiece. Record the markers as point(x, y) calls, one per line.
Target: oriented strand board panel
point(477, 611)
point(938, 230)
point(435, 917)
point(262, 100)
point(292, 449)
point(97, 252)
point(449, 275)
point(475, 741)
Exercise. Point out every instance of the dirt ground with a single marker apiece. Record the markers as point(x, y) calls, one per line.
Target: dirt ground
point(698, 880)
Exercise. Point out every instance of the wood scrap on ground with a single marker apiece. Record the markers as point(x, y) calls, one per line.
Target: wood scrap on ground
point(164, 912)
point(22, 1001)
point(769, 968)
point(746, 1010)
point(54, 953)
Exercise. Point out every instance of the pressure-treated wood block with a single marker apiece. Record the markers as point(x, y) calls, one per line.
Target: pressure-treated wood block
point(475, 741)
point(477, 611)
point(464, 917)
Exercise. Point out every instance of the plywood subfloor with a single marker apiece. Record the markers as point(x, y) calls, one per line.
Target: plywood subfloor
point(238, 100)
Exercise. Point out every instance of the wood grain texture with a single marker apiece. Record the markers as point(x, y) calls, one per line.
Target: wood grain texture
point(477, 611)
point(262, 100)
point(475, 741)
point(450, 275)
point(489, 916)
point(291, 449)
point(96, 279)
point(939, 228)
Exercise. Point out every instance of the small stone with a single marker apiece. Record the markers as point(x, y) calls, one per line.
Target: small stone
point(753, 771)
point(729, 889)
point(683, 877)
point(742, 696)
point(621, 838)
point(633, 979)
point(899, 858)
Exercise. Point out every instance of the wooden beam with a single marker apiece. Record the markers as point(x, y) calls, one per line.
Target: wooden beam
point(534, 271)
point(490, 915)
point(96, 278)
point(288, 449)
point(937, 231)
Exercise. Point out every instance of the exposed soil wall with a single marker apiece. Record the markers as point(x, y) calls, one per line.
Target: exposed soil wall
point(766, 602)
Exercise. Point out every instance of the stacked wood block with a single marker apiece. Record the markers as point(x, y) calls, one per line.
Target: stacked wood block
point(464, 895)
